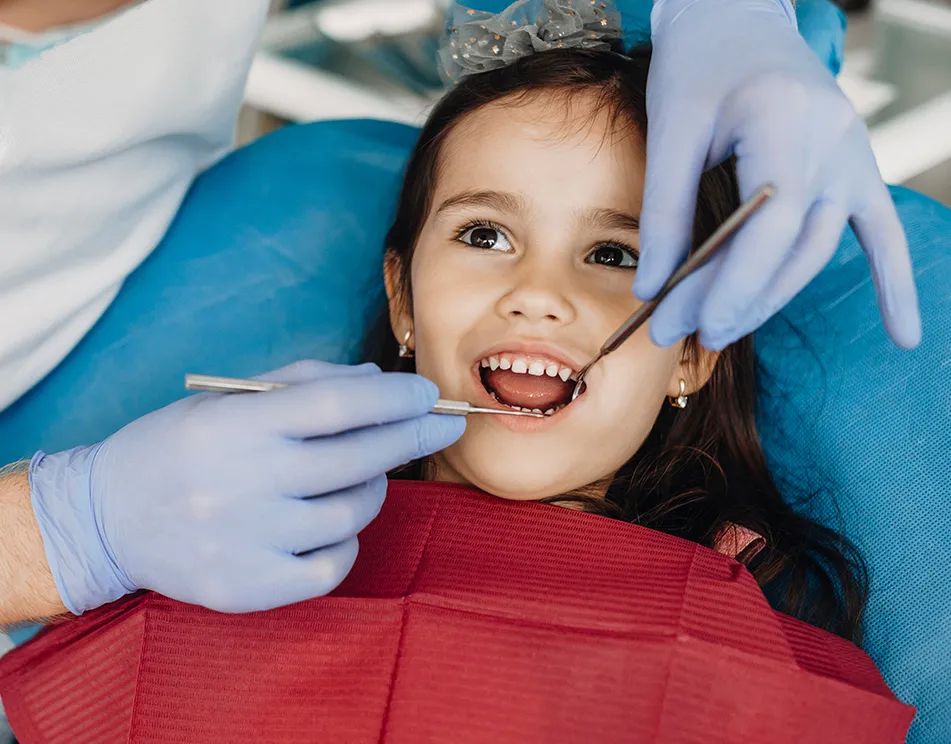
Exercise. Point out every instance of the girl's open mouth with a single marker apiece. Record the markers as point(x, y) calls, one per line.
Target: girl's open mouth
point(527, 382)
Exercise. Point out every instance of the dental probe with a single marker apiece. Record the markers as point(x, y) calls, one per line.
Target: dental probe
point(694, 261)
point(209, 384)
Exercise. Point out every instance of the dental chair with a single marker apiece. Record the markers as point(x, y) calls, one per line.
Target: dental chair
point(276, 255)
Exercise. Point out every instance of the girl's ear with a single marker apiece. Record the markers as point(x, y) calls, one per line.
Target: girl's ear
point(695, 368)
point(401, 320)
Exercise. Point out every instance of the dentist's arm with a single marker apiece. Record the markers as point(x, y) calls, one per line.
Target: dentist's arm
point(27, 589)
point(734, 77)
point(40, 15)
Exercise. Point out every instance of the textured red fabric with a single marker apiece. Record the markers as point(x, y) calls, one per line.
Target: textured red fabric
point(466, 619)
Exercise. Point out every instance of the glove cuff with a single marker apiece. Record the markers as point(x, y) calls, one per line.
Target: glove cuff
point(86, 576)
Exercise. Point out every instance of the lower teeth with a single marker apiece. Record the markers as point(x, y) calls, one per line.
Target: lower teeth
point(549, 412)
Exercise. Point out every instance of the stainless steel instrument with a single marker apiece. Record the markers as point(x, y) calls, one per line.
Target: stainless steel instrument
point(210, 384)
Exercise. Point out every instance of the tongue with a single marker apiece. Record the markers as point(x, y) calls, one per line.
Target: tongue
point(527, 391)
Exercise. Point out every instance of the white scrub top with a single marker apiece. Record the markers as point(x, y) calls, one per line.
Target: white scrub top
point(100, 138)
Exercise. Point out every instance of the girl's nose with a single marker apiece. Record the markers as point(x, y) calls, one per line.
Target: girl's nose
point(538, 295)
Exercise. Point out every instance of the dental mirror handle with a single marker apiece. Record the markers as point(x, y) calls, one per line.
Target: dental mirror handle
point(461, 408)
point(694, 261)
point(210, 384)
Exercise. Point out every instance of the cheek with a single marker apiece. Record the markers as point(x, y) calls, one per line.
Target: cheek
point(447, 306)
point(627, 397)
point(635, 379)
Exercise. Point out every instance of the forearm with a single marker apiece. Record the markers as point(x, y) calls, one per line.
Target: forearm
point(40, 15)
point(27, 589)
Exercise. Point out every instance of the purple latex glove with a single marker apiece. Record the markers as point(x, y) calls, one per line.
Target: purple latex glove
point(735, 77)
point(235, 502)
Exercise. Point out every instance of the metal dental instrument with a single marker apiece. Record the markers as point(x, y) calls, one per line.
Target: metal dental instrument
point(694, 261)
point(208, 384)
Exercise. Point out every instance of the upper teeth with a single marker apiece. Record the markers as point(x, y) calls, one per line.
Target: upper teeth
point(523, 365)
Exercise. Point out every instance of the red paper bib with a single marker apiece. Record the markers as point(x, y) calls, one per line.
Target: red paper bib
point(466, 619)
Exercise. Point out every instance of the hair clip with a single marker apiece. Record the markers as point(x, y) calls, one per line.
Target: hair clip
point(478, 42)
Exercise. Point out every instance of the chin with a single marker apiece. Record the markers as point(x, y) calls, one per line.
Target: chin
point(514, 473)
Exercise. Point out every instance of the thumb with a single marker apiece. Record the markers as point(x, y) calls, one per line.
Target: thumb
point(676, 153)
point(309, 370)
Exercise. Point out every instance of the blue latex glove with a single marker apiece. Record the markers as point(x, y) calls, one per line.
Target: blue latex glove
point(235, 502)
point(735, 77)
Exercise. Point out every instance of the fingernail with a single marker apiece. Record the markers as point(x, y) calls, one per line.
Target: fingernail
point(667, 340)
point(428, 388)
point(643, 293)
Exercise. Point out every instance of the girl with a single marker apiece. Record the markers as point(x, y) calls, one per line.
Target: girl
point(512, 258)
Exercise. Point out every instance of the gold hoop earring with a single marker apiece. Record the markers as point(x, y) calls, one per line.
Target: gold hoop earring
point(405, 351)
point(681, 400)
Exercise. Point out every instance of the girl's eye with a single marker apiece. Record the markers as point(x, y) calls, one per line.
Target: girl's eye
point(613, 255)
point(487, 237)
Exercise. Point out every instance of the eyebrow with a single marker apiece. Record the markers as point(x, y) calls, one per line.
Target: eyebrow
point(499, 200)
point(611, 219)
point(514, 204)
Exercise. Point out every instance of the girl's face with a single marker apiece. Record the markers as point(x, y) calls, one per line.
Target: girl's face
point(525, 263)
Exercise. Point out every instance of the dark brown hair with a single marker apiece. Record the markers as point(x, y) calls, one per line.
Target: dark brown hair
point(702, 466)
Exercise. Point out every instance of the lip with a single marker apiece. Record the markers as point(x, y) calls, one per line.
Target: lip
point(524, 424)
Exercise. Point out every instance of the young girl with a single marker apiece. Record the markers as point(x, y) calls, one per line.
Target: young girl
point(511, 260)
point(470, 618)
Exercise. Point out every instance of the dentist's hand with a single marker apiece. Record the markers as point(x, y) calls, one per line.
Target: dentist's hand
point(734, 77)
point(235, 502)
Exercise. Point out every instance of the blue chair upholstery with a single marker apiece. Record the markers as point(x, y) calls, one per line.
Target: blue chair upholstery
point(866, 427)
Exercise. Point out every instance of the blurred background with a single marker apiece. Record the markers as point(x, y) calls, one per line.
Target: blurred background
point(326, 59)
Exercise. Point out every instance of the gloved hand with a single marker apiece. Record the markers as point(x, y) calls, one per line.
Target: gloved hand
point(235, 502)
point(734, 77)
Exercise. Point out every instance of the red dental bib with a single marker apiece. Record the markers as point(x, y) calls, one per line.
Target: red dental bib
point(466, 619)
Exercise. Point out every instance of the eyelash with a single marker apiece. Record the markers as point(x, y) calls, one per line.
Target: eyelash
point(472, 225)
point(480, 223)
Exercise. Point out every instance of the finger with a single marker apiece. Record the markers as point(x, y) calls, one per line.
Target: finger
point(678, 314)
point(297, 578)
point(334, 464)
point(677, 149)
point(308, 370)
point(748, 265)
point(754, 120)
point(882, 237)
point(813, 249)
point(330, 406)
point(313, 523)
point(320, 572)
